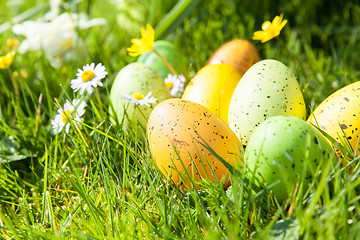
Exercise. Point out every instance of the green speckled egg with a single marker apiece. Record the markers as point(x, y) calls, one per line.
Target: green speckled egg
point(169, 52)
point(267, 89)
point(136, 78)
point(285, 149)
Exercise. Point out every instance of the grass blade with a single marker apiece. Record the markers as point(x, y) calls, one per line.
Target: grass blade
point(174, 17)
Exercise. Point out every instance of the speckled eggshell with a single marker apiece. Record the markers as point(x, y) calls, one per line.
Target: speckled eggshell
point(182, 125)
point(169, 52)
point(136, 78)
point(285, 149)
point(212, 87)
point(339, 114)
point(267, 89)
point(239, 53)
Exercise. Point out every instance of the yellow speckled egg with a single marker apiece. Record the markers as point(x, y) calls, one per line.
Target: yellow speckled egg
point(267, 89)
point(212, 87)
point(239, 53)
point(339, 114)
point(176, 130)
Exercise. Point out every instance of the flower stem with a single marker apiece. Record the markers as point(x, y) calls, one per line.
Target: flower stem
point(131, 123)
point(17, 94)
point(15, 85)
point(38, 112)
point(99, 101)
point(166, 62)
point(133, 113)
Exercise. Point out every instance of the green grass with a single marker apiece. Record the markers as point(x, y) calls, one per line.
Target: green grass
point(100, 183)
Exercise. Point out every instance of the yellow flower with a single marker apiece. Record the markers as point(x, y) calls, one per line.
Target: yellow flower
point(12, 42)
point(7, 60)
point(270, 29)
point(144, 44)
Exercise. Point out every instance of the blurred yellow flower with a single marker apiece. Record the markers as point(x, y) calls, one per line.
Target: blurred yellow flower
point(144, 44)
point(7, 60)
point(270, 29)
point(12, 42)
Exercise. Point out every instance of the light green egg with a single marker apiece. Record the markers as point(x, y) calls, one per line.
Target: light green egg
point(284, 150)
point(136, 78)
point(169, 52)
point(267, 89)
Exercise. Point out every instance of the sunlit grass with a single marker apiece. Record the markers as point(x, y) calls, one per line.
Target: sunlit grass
point(99, 182)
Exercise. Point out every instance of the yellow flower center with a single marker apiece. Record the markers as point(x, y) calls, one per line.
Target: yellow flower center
point(68, 43)
point(65, 115)
point(138, 96)
point(87, 75)
point(169, 85)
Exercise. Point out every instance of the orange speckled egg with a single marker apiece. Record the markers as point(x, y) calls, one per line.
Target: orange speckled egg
point(339, 114)
point(177, 130)
point(239, 53)
point(212, 87)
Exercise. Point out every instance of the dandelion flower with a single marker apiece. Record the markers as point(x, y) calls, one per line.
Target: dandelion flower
point(270, 29)
point(73, 110)
point(140, 99)
point(89, 78)
point(144, 44)
point(7, 60)
point(176, 84)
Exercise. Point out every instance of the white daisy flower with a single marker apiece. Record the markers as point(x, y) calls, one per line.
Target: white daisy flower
point(176, 84)
point(73, 110)
point(57, 36)
point(140, 99)
point(89, 78)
